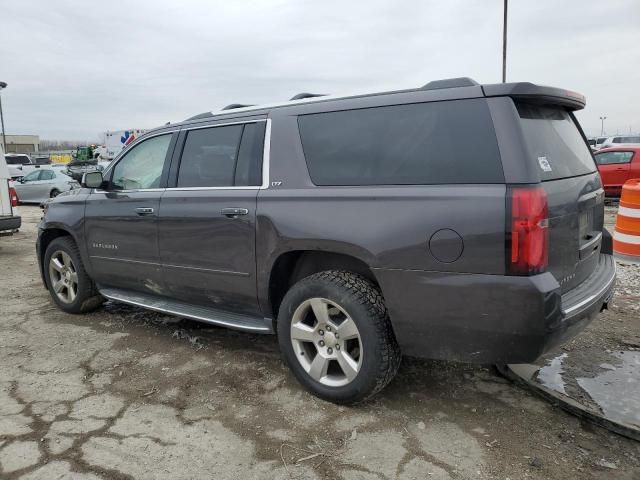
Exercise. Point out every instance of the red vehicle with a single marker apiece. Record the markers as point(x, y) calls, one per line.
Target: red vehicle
point(616, 166)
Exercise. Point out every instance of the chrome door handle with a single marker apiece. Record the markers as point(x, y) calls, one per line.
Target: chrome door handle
point(144, 211)
point(234, 212)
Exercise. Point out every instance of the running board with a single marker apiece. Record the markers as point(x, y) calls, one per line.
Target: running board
point(237, 321)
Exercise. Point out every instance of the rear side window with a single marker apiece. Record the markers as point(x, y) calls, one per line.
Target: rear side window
point(608, 158)
point(222, 156)
point(626, 140)
point(47, 175)
point(415, 144)
point(554, 142)
point(16, 160)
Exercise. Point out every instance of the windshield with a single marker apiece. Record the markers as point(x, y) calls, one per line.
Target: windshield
point(555, 142)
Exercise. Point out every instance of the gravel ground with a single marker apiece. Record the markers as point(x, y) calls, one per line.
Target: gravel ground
point(123, 393)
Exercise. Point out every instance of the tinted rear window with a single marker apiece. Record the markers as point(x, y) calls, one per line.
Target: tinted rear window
point(209, 157)
point(416, 144)
point(554, 142)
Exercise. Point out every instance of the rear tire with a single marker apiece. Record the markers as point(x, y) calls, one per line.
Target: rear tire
point(336, 337)
point(54, 193)
point(70, 286)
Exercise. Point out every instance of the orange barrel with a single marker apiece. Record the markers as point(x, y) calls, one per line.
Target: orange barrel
point(626, 237)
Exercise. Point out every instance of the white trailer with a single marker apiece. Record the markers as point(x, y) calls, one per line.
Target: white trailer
point(118, 140)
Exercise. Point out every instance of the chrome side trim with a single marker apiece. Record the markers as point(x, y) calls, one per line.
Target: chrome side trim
point(195, 189)
point(212, 270)
point(266, 156)
point(591, 298)
point(214, 125)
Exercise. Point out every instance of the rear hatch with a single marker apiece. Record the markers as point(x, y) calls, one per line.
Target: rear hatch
point(574, 191)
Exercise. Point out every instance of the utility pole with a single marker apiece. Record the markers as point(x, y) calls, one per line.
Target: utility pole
point(3, 85)
point(504, 43)
point(602, 119)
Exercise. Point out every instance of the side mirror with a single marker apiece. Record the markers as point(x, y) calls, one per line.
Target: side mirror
point(92, 180)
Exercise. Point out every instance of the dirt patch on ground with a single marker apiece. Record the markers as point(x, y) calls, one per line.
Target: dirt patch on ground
point(124, 393)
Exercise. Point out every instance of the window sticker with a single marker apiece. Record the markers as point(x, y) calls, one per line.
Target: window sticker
point(544, 164)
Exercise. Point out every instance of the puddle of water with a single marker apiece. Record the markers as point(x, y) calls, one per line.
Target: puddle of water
point(617, 391)
point(551, 374)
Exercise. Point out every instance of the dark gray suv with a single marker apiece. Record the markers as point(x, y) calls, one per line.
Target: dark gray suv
point(455, 221)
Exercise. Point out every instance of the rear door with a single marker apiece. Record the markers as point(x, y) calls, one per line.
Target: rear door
point(207, 217)
point(559, 152)
point(614, 169)
point(121, 221)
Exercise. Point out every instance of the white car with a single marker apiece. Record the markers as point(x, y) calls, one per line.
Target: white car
point(10, 221)
point(618, 140)
point(19, 164)
point(44, 183)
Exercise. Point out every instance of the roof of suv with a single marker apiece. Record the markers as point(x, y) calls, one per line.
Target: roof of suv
point(522, 90)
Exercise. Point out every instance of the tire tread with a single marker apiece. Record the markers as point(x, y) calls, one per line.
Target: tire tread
point(367, 294)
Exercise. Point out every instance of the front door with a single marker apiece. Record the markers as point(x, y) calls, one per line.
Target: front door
point(121, 220)
point(207, 219)
point(32, 187)
point(614, 169)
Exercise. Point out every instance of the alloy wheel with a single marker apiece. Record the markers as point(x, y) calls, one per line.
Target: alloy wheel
point(63, 276)
point(326, 342)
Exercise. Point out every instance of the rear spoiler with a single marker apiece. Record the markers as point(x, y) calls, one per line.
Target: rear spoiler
point(532, 93)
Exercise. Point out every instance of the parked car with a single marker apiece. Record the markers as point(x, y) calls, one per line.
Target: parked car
point(41, 160)
point(44, 183)
point(599, 142)
point(620, 140)
point(10, 220)
point(454, 221)
point(19, 164)
point(617, 165)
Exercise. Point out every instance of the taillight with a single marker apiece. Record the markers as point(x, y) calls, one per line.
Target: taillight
point(528, 238)
point(13, 196)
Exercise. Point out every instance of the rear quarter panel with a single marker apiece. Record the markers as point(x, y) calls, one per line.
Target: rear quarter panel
point(387, 227)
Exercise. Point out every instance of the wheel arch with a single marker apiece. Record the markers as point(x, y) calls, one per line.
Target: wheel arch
point(47, 236)
point(294, 265)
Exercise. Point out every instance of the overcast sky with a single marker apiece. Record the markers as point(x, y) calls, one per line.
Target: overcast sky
point(76, 68)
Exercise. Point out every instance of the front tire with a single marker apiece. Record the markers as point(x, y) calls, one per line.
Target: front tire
point(70, 286)
point(336, 337)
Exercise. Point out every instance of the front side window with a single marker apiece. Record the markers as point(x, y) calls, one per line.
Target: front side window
point(608, 158)
point(32, 176)
point(413, 144)
point(142, 166)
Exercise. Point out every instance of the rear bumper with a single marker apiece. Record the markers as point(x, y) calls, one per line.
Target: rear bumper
point(10, 223)
point(490, 318)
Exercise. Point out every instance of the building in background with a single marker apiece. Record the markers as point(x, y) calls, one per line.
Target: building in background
point(23, 143)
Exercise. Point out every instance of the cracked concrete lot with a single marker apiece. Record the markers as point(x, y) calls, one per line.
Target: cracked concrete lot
point(123, 393)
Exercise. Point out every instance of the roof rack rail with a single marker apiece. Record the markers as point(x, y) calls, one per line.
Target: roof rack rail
point(231, 106)
point(199, 116)
point(450, 83)
point(302, 95)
